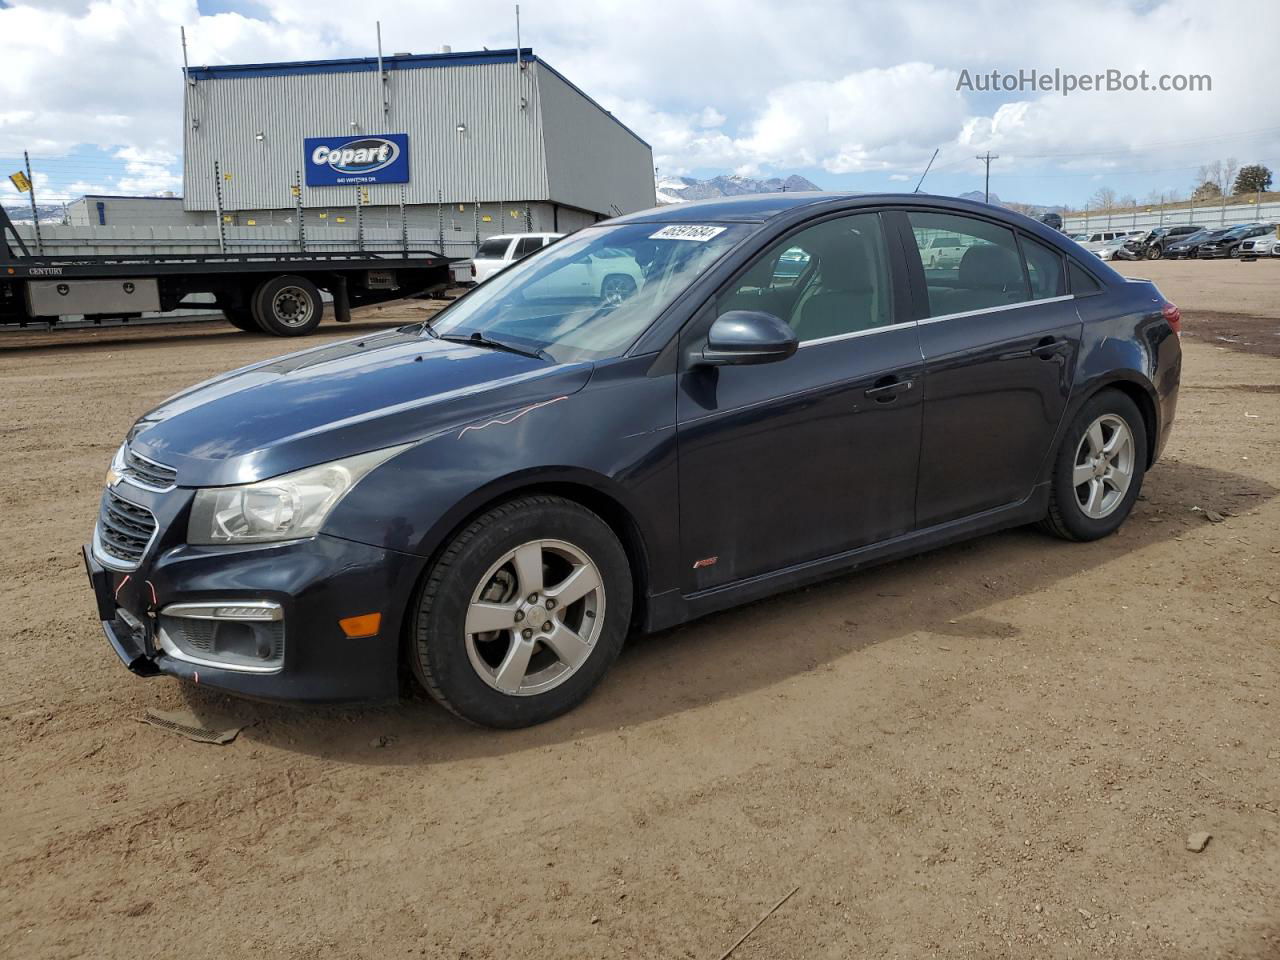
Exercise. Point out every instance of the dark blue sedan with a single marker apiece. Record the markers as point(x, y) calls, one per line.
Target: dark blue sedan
point(492, 501)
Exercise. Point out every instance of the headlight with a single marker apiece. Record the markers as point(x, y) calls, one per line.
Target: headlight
point(284, 508)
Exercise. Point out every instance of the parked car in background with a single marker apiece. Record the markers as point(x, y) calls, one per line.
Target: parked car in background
point(1052, 220)
point(1265, 245)
point(942, 250)
point(1112, 246)
point(1188, 245)
point(498, 253)
point(490, 501)
point(1227, 243)
point(1152, 245)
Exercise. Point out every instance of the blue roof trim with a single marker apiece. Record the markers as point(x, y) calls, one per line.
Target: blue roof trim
point(360, 64)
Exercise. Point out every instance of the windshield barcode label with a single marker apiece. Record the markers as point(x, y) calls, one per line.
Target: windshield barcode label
point(688, 231)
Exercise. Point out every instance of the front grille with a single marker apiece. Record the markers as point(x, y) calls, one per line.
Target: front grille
point(148, 473)
point(124, 529)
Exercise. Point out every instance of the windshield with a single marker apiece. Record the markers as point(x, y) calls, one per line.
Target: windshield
point(591, 295)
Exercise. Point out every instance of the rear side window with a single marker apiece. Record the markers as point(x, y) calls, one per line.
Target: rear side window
point(1082, 283)
point(1044, 270)
point(982, 271)
point(494, 249)
point(526, 246)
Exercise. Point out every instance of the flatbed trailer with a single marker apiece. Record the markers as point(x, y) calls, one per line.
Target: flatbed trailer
point(275, 293)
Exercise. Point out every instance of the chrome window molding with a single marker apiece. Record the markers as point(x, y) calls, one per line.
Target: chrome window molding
point(858, 333)
point(999, 309)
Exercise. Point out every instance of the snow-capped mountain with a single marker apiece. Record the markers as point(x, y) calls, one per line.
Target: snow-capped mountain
point(681, 189)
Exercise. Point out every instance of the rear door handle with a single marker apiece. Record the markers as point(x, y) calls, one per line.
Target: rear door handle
point(888, 389)
point(1048, 348)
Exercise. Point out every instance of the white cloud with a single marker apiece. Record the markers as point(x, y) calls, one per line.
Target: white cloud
point(742, 85)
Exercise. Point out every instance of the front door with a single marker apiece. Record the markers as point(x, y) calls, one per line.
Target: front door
point(792, 461)
point(1000, 341)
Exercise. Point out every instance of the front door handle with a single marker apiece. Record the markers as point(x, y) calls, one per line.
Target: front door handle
point(888, 389)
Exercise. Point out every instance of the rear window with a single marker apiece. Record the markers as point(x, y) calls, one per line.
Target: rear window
point(494, 249)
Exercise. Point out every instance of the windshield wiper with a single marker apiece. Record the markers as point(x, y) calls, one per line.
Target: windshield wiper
point(479, 339)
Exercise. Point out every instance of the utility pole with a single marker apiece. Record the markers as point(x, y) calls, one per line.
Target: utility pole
point(987, 158)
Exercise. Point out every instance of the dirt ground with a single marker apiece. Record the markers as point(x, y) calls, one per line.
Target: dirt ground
point(995, 750)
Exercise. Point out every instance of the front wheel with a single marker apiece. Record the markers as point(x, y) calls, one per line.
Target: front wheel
point(1098, 469)
point(523, 614)
point(1154, 253)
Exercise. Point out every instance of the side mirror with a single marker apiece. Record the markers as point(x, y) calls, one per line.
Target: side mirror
point(747, 336)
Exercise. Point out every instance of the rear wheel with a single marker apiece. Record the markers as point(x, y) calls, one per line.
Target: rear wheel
point(523, 614)
point(288, 306)
point(1098, 469)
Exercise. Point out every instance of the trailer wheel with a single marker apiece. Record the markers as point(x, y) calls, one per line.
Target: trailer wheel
point(288, 306)
point(242, 319)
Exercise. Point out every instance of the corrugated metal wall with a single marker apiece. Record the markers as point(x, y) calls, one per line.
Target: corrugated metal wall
point(133, 211)
point(593, 162)
point(498, 157)
point(1211, 215)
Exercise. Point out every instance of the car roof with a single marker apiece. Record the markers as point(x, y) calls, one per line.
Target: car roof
point(763, 207)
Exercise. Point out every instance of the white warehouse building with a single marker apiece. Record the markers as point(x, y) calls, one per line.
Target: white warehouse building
point(467, 145)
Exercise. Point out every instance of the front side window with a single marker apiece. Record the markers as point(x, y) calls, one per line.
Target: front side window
point(827, 280)
point(591, 295)
point(986, 271)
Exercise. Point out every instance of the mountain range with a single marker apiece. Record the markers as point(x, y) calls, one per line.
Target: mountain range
point(681, 189)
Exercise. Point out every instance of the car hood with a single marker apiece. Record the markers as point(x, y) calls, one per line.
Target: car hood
point(338, 400)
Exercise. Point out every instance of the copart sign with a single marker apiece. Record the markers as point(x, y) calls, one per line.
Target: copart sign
point(333, 161)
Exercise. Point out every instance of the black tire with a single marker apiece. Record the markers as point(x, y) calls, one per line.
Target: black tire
point(288, 306)
point(1235, 252)
point(1154, 252)
point(242, 319)
point(617, 288)
point(1067, 518)
point(439, 653)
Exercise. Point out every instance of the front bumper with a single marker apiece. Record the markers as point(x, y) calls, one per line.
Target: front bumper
point(316, 582)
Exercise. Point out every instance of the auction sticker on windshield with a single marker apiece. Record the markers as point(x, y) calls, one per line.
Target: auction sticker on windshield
point(688, 231)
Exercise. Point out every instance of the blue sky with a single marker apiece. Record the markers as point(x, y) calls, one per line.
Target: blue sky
point(851, 95)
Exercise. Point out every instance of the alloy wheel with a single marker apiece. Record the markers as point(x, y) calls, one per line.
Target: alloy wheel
point(1104, 466)
point(535, 617)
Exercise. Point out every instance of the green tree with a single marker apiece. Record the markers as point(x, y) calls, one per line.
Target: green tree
point(1207, 191)
point(1252, 178)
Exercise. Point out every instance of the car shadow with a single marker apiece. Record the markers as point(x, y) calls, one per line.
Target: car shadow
point(944, 592)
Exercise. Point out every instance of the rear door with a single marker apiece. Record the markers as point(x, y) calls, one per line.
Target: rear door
point(800, 459)
point(1000, 339)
